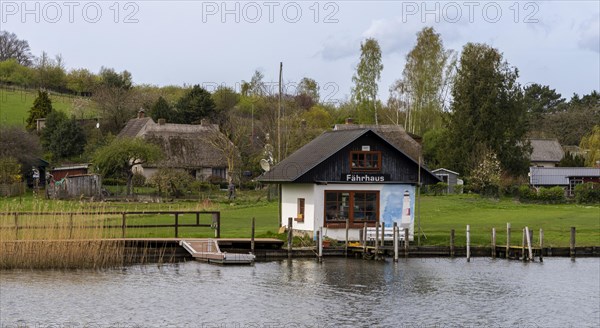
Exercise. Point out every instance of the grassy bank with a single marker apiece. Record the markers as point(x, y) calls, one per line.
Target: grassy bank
point(438, 216)
point(16, 103)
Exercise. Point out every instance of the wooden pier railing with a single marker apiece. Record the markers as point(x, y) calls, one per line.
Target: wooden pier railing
point(215, 222)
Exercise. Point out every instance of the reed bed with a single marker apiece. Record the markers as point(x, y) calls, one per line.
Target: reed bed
point(73, 238)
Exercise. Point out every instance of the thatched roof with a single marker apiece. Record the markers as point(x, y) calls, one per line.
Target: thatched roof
point(185, 146)
point(394, 134)
point(546, 150)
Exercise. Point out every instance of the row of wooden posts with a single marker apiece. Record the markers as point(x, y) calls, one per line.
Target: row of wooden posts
point(526, 244)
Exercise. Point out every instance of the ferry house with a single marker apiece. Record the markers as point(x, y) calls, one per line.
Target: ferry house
point(356, 175)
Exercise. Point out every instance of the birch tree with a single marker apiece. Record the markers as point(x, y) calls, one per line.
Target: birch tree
point(368, 73)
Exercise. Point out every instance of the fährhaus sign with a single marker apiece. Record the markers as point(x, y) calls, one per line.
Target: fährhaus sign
point(365, 177)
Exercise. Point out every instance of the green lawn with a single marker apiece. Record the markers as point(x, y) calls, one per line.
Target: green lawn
point(441, 214)
point(15, 105)
point(438, 216)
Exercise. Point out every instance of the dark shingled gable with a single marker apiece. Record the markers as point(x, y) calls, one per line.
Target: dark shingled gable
point(320, 149)
point(134, 127)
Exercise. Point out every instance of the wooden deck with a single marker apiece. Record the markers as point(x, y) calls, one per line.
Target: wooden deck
point(209, 250)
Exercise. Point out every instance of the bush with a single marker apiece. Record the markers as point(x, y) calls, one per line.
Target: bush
point(458, 189)
point(551, 195)
point(439, 188)
point(544, 195)
point(10, 170)
point(114, 182)
point(139, 180)
point(587, 193)
point(174, 182)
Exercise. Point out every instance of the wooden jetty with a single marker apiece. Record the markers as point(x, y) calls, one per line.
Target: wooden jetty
point(226, 250)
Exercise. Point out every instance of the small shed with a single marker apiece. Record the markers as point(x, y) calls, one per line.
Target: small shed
point(449, 177)
point(60, 172)
point(76, 186)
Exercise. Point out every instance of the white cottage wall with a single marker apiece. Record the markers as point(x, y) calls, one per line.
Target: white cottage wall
point(289, 205)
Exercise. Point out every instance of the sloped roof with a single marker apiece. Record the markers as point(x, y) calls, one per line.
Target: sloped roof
point(186, 145)
point(317, 151)
point(135, 127)
point(394, 134)
point(546, 150)
point(441, 169)
point(559, 176)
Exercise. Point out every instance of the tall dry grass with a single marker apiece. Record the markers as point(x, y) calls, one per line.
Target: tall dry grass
point(73, 238)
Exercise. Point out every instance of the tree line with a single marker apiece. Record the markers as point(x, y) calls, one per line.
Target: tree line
point(467, 106)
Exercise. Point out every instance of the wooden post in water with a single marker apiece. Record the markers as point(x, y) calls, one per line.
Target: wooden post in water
point(452, 243)
point(541, 245)
point(572, 244)
point(124, 224)
point(468, 243)
point(395, 233)
point(176, 225)
point(290, 237)
point(320, 244)
point(507, 240)
point(346, 243)
point(376, 240)
point(406, 241)
point(493, 243)
point(523, 245)
point(382, 234)
point(528, 236)
point(252, 235)
point(365, 239)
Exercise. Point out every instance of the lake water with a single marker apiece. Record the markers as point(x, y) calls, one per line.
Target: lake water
point(303, 293)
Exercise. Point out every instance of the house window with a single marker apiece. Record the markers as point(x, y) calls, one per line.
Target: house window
point(357, 207)
point(300, 210)
point(572, 183)
point(365, 161)
point(220, 172)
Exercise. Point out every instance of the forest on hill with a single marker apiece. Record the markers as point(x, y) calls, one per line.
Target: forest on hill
point(464, 104)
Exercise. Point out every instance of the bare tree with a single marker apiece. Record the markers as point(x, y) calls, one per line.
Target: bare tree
point(13, 48)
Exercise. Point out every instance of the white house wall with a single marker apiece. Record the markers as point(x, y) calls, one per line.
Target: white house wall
point(391, 206)
point(289, 205)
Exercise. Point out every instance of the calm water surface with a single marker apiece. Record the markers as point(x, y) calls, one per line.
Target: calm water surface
point(302, 293)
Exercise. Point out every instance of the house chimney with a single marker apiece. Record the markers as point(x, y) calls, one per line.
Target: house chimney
point(162, 121)
point(141, 113)
point(349, 120)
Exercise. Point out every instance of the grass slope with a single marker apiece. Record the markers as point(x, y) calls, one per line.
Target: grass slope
point(15, 105)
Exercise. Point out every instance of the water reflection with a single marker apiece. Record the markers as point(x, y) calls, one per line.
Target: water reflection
point(337, 292)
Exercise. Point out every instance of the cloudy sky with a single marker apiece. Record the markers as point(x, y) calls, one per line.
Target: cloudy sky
point(223, 42)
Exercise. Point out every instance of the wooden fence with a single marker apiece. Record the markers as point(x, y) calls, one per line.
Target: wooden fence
point(124, 226)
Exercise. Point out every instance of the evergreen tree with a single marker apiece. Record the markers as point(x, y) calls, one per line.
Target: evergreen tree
point(42, 106)
point(487, 113)
point(62, 137)
point(161, 109)
point(194, 106)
